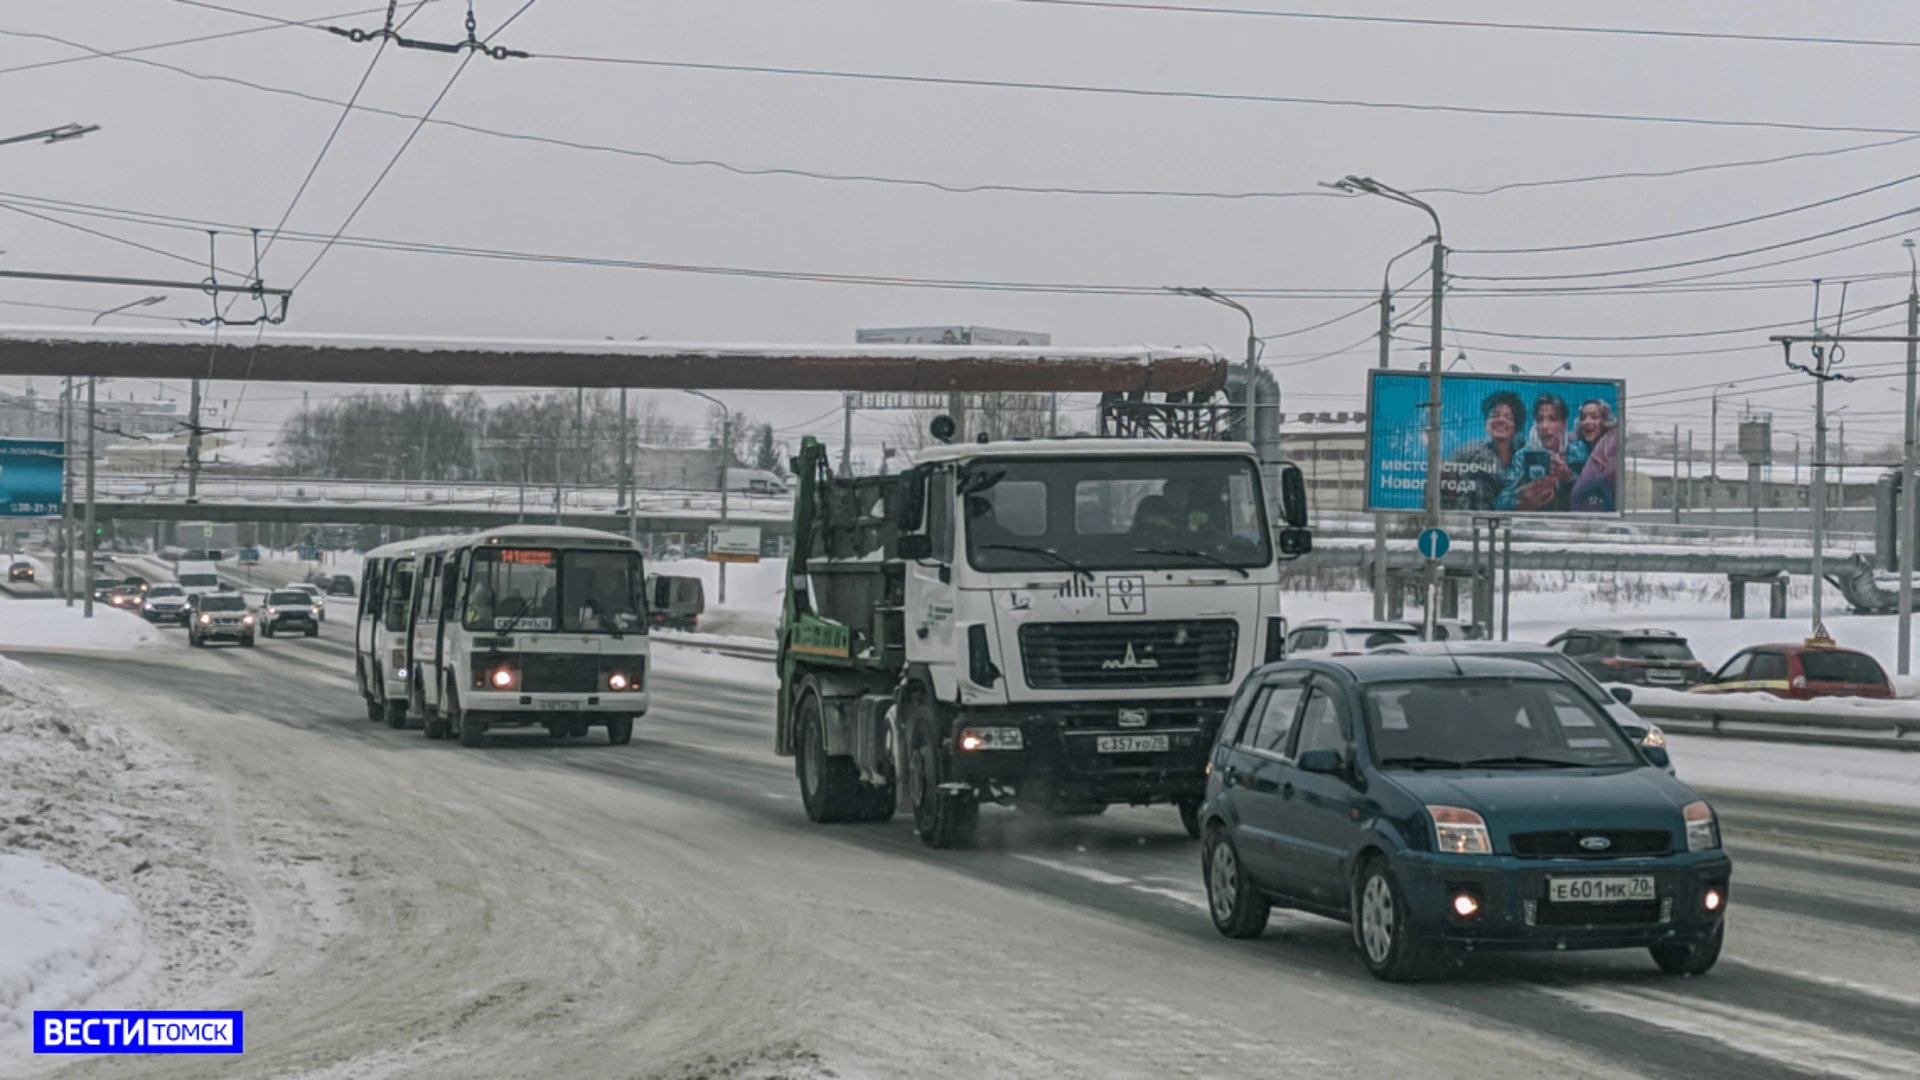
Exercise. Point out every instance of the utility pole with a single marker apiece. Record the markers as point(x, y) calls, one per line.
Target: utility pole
point(1906, 501)
point(65, 555)
point(1713, 460)
point(1689, 471)
point(626, 470)
point(193, 443)
point(87, 583)
point(1673, 488)
point(726, 456)
point(1053, 425)
point(846, 434)
point(1379, 518)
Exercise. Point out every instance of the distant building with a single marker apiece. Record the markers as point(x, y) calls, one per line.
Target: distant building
point(1331, 450)
point(950, 335)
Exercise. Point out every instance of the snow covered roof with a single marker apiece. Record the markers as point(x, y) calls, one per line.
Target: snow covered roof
point(1089, 447)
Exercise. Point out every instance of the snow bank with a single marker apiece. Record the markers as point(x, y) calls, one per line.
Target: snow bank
point(1828, 772)
point(50, 624)
point(62, 939)
point(1905, 712)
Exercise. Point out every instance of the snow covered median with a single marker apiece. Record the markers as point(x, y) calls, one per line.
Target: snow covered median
point(50, 624)
point(1655, 700)
point(113, 891)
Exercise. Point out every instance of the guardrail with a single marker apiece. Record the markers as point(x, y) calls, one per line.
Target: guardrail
point(1770, 725)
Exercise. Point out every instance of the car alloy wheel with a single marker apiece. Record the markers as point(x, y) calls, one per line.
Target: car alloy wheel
point(1376, 919)
point(1223, 881)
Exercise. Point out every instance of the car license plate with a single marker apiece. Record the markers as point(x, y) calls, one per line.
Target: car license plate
point(1130, 744)
point(1600, 890)
point(558, 706)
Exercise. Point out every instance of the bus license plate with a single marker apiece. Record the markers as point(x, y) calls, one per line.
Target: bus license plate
point(1600, 890)
point(558, 706)
point(1130, 744)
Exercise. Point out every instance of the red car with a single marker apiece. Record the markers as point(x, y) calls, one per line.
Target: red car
point(1818, 668)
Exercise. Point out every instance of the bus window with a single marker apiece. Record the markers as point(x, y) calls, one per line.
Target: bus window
point(399, 591)
point(429, 605)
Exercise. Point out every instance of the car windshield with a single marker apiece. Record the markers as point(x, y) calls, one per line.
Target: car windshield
point(1500, 722)
point(1114, 513)
point(535, 589)
point(222, 603)
point(289, 596)
point(1848, 667)
point(160, 591)
point(1654, 649)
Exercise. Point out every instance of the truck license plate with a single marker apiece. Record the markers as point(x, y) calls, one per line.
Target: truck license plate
point(1130, 744)
point(1600, 890)
point(558, 706)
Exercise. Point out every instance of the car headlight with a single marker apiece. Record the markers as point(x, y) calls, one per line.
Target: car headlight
point(1654, 736)
point(992, 738)
point(247, 619)
point(206, 620)
point(1460, 832)
point(1703, 833)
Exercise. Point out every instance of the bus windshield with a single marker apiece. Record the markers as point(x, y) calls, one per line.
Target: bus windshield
point(541, 589)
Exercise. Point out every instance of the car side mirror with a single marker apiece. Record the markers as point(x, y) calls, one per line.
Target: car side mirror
point(1320, 760)
point(1622, 695)
point(1656, 756)
point(916, 546)
point(1293, 496)
point(1295, 542)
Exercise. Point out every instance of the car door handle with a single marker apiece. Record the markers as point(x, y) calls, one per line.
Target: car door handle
point(1229, 776)
point(1286, 791)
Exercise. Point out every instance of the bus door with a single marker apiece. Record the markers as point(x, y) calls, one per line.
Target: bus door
point(446, 619)
point(426, 622)
point(365, 616)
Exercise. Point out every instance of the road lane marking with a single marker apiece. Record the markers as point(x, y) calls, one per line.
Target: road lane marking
point(1087, 872)
point(1863, 989)
point(1810, 1048)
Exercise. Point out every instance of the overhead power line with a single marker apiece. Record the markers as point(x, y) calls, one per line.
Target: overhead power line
point(1110, 90)
point(275, 23)
point(1147, 6)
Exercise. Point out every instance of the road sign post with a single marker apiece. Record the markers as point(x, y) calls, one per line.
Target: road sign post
point(1433, 545)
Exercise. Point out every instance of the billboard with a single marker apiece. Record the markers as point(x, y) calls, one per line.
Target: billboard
point(1508, 444)
point(733, 543)
point(31, 471)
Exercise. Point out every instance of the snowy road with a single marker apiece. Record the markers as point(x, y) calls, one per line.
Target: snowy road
point(664, 909)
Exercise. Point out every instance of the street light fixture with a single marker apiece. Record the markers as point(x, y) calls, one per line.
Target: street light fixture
point(726, 453)
point(1253, 342)
point(145, 301)
point(1367, 185)
point(63, 133)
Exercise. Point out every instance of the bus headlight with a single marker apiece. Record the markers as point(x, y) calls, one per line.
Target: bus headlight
point(617, 681)
point(502, 678)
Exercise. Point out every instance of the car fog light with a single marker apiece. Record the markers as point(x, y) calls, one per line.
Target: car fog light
point(1465, 905)
point(1713, 900)
point(992, 738)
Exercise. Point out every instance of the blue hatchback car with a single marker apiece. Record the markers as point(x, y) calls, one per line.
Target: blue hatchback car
point(1454, 802)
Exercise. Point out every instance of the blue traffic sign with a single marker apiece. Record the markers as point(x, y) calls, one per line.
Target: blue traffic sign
point(250, 555)
point(309, 552)
point(1434, 543)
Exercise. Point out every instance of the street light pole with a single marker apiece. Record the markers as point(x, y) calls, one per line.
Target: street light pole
point(726, 453)
point(1380, 519)
point(1253, 379)
point(87, 581)
point(1367, 185)
point(1906, 501)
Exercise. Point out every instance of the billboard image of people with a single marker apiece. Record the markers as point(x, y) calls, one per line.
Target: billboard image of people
point(1508, 445)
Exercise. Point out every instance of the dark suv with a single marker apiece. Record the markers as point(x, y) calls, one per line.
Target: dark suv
point(1445, 803)
point(1641, 657)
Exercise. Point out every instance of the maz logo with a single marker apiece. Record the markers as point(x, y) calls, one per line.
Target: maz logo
point(1075, 585)
point(1129, 662)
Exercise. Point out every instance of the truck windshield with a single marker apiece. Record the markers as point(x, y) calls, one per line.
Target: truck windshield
point(540, 589)
point(1114, 513)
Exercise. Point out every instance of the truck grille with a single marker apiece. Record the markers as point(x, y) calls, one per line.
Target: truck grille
point(1192, 652)
point(1565, 843)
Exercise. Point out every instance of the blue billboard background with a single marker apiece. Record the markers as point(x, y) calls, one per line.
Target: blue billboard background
point(1507, 445)
point(31, 471)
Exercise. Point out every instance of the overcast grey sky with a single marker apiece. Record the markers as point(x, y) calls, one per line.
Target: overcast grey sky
point(174, 145)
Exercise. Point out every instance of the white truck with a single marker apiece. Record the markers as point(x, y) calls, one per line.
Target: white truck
point(1054, 624)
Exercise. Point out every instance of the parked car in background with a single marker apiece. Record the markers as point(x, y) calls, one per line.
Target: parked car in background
point(167, 603)
point(1458, 630)
point(1639, 657)
point(20, 571)
point(1452, 803)
point(1817, 668)
point(1335, 637)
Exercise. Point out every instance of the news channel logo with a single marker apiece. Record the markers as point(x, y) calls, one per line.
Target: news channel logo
point(120, 1031)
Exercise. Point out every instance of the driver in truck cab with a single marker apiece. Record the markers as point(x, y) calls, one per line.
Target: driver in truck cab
point(1170, 513)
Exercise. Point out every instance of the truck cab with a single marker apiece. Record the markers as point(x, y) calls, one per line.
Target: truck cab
point(1052, 624)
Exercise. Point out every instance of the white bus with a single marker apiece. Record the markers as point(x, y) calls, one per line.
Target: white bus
point(382, 629)
point(524, 625)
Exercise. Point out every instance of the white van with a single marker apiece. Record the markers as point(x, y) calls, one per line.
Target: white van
point(198, 578)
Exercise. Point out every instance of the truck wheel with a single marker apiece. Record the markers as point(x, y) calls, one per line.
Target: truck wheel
point(1190, 817)
point(943, 820)
point(619, 730)
point(396, 714)
point(829, 786)
point(472, 729)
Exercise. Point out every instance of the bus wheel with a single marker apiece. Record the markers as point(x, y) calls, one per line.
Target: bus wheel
point(619, 730)
point(472, 729)
point(439, 727)
point(396, 712)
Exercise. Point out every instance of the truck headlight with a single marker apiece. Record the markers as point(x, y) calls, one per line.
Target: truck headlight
point(1703, 834)
point(992, 738)
point(1460, 832)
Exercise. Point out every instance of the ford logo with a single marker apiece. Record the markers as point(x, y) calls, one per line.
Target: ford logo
point(1595, 843)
